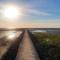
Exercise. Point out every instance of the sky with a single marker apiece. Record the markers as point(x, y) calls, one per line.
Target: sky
point(36, 14)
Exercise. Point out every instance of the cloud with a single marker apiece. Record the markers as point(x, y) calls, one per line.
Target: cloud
point(37, 12)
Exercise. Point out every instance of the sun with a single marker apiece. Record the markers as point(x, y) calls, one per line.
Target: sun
point(11, 12)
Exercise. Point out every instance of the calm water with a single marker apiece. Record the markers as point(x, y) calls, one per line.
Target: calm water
point(47, 31)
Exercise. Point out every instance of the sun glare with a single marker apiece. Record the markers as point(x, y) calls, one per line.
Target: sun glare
point(11, 35)
point(11, 12)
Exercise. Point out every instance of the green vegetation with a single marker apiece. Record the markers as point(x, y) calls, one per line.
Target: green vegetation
point(48, 38)
point(51, 43)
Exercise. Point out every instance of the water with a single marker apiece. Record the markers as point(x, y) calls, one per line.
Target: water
point(6, 39)
point(39, 31)
point(47, 31)
point(7, 33)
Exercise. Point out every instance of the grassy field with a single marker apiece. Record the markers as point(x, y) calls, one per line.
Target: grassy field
point(50, 43)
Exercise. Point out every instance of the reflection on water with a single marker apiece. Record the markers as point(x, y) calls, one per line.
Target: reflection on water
point(11, 35)
point(39, 31)
point(44, 31)
point(7, 33)
point(6, 39)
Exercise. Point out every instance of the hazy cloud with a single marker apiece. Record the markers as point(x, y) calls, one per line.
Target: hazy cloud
point(37, 12)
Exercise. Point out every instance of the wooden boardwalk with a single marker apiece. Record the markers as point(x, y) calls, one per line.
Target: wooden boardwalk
point(26, 50)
